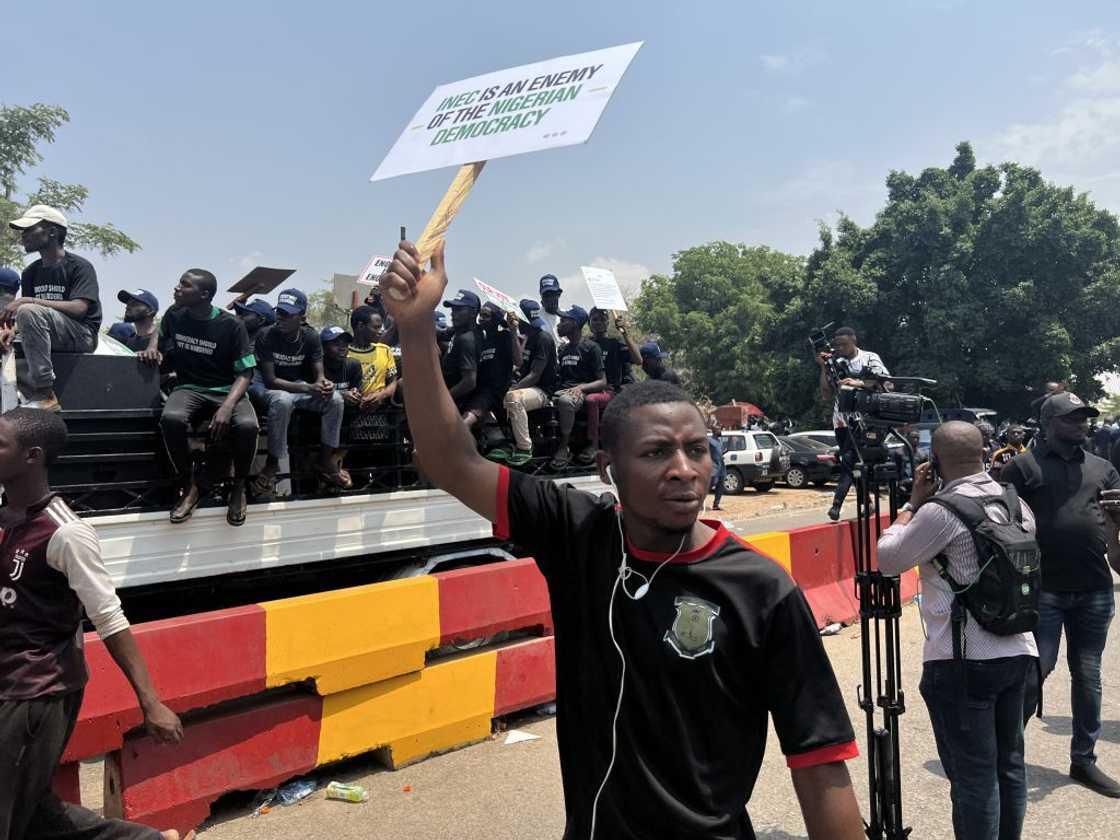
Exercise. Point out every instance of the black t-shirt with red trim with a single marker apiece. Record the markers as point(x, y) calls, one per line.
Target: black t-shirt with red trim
point(722, 641)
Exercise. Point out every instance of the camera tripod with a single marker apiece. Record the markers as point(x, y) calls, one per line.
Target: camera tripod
point(880, 608)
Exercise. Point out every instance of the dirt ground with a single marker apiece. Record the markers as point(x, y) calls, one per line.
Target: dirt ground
point(781, 499)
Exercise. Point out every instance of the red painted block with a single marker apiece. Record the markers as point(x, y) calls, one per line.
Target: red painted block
point(66, 785)
point(258, 746)
point(822, 561)
point(526, 675)
point(483, 600)
point(195, 661)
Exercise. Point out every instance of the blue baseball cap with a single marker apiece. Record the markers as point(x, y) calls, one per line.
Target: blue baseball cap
point(651, 350)
point(532, 311)
point(550, 284)
point(257, 307)
point(574, 313)
point(292, 302)
point(334, 334)
point(142, 295)
point(464, 298)
point(441, 320)
point(9, 280)
point(121, 331)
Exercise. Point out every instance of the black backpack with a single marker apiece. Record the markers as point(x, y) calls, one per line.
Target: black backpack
point(1004, 597)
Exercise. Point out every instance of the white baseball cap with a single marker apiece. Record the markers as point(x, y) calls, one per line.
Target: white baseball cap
point(39, 213)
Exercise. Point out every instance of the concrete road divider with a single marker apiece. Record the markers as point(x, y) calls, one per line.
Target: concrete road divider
point(484, 600)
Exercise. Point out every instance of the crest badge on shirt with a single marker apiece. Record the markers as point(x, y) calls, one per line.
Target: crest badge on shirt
point(691, 634)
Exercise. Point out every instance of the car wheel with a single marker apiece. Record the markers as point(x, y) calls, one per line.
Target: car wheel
point(796, 478)
point(733, 482)
point(763, 486)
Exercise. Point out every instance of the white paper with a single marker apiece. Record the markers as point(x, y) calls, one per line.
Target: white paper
point(499, 298)
point(544, 105)
point(373, 270)
point(516, 736)
point(603, 288)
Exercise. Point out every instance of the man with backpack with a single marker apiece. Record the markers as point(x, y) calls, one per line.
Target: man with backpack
point(974, 545)
point(1073, 495)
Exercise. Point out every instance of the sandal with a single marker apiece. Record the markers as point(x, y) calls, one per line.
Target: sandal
point(560, 462)
point(265, 482)
point(186, 505)
point(333, 479)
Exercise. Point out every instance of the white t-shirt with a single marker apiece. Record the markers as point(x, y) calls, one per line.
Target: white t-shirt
point(553, 321)
point(864, 361)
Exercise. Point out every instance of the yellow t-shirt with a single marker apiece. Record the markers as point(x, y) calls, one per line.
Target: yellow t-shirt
point(378, 367)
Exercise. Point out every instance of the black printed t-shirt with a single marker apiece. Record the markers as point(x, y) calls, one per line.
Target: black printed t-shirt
point(495, 362)
point(723, 641)
point(540, 344)
point(1071, 526)
point(345, 373)
point(206, 355)
point(292, 360)
point(461, 357)
point(72, 279)
point(616, 361)
point(580, 362)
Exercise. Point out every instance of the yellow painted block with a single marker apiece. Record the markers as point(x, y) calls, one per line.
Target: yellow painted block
point(352, 637)
point(773, 544)
point(448, 704)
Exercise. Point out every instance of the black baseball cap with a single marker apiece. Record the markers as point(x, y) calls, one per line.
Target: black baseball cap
point(1063, 404)
point(465, 298)
point(550, 285)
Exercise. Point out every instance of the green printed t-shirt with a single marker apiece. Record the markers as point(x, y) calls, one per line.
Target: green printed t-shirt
point(208, 354)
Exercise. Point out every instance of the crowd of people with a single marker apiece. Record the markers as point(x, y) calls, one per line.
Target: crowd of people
point(234, 367)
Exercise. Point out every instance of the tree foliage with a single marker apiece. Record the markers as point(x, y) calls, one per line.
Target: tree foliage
point(990, 280)
point(322, 311)
point(22, 131)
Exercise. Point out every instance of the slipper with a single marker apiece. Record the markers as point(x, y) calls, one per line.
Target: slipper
point(265, 483)
point(560, 462)
point(519, 457)
point(500, 453)
point(334, 479)
point(587, 457)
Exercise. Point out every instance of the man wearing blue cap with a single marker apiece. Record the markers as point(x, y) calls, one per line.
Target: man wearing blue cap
point(550, 303)
point(536, 380)
point(581, 373)
point(9, 288)
point(653, 363)
point(290, 356)
point(255, 315)
point(460, 364)
point(138, 331)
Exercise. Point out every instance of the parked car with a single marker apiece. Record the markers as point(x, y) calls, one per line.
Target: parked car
point(752, 459)
point(825, 436)
point(809, 461)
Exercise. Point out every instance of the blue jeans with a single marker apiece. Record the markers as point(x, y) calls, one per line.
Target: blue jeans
point(1085, 616)
point(984, 763)
point(281, 404)
point(717, 487)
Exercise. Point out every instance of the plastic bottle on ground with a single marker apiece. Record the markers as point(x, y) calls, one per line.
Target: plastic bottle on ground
point(347, 793)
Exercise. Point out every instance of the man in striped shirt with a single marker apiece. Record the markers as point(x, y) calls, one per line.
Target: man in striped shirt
point(980, 742)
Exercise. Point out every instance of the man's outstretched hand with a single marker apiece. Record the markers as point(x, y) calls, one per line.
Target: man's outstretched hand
point(409, 294)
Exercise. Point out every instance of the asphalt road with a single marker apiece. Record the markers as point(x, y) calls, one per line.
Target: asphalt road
point(492, 791)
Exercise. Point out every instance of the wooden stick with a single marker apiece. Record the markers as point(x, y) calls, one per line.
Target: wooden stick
point(447, 208)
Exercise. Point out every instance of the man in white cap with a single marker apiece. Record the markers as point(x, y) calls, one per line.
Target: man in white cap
point(60, 308)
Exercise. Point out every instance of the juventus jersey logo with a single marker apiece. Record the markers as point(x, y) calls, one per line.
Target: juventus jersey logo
point(19, 559)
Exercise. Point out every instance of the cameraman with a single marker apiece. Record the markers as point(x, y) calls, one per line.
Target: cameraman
point(975, 706)
point(855, 364)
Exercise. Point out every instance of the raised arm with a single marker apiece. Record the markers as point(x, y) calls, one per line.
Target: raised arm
point(444, 445)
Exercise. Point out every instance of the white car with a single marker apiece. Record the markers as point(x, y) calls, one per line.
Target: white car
point(752, 459)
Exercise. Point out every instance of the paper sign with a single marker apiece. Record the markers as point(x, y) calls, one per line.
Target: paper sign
point(261, 280)
point(523, 109)
point(500, 298)
point(603, 288)
point(373, 270)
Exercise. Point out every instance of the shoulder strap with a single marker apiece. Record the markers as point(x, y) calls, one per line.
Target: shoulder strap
point(1011, 500)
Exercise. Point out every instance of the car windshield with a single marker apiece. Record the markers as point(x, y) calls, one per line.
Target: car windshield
point(765, 441)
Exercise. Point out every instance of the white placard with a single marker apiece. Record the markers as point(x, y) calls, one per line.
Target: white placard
point(500, 298)
point(373, 270)
point(603, 288)
point(523, 109)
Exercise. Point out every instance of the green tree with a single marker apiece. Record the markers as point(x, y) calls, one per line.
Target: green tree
point(322, 311)
point(22, 131)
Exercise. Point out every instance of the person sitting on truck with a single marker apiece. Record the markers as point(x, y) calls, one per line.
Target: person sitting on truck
point(51, 570)
point(209, 352)
point(138, 330)
point(345, 373)
point(581, 373)
point(533, 387)
point(653, 363)
point(374, 358)
point(495, 362)
point(9, 288)
point(255, 315)
point(460, 364)
point(60, 309)
point(290, 356)
point(618, 355)
point(706, 643)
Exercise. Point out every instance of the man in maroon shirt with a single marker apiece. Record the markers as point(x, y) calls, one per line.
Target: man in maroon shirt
point(50, 570)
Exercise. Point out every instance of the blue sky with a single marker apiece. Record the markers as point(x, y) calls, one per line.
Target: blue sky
point(226, 135)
